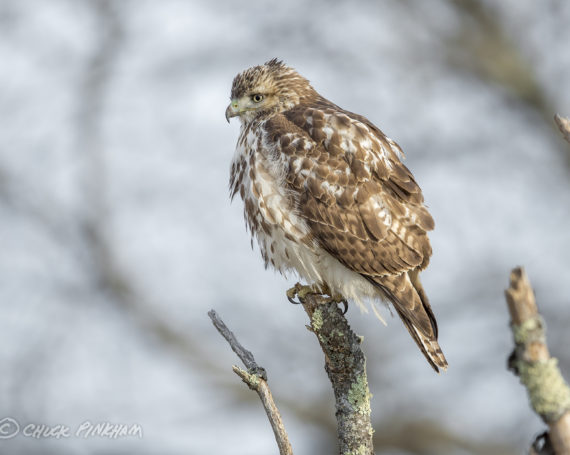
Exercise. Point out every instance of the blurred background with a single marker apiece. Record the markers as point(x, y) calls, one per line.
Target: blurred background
point(117, 234)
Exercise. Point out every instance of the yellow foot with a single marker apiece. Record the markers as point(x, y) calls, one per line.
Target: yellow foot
point(302, 291)
point(334, 298)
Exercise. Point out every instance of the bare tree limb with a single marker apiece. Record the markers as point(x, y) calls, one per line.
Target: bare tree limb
point(564, 126)
point(256, 379)
point(245, 356)
point(346, 368)
point(548, 392)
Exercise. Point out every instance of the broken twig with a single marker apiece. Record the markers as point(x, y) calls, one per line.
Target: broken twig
point(256, 379)
point(548, 392)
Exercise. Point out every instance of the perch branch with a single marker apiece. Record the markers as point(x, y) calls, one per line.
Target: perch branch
point(346, 368)
point(563, 125)
point(256, 379)
point(548, 392)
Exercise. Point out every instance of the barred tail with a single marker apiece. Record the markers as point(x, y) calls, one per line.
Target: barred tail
point(406, 293)
point(429, 346)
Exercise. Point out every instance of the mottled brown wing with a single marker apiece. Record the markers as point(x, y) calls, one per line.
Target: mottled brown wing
point(361, 203)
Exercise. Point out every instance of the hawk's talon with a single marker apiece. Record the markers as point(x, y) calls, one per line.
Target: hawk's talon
point(291, 299)
point(337, 298)
point(292, 293)
point(301, 292)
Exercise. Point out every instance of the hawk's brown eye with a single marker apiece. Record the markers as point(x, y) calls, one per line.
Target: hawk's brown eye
point(257, 98)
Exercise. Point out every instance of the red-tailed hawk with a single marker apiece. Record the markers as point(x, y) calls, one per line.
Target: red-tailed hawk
point(327, 196)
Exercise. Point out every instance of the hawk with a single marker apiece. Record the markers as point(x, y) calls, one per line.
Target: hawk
point(327, 196)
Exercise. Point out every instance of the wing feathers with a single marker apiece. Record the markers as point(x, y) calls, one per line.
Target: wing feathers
point(347, 179)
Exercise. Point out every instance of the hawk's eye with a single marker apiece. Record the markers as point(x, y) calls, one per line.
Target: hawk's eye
point(257, 98)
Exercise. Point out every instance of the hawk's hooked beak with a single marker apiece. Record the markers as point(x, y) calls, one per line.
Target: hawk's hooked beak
point(232, 110)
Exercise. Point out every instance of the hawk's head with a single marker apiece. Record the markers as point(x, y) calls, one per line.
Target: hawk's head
point(264, 90)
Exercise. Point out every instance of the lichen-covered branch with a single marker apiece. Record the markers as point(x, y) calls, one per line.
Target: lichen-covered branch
point(256, 379)
point(548, 392)
point(346, 368)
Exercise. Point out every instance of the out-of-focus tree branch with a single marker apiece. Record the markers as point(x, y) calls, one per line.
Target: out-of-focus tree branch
point(99, 258)
point(548, 392)
point(484, 48)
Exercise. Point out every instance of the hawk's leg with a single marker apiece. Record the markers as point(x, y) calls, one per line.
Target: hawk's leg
point(302, 291)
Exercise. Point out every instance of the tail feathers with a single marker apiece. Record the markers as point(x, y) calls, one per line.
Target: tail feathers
point(412, 305)
point(429, 346)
